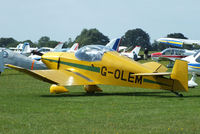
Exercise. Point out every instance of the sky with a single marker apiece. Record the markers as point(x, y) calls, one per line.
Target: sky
point(63, 19)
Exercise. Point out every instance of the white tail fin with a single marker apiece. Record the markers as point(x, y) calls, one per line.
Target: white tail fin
point(74, 47)
point(26, 48)
point(136, 50)
point(59, 46)
point(114, 44)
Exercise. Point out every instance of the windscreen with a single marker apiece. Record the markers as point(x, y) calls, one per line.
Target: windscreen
point(92, 52)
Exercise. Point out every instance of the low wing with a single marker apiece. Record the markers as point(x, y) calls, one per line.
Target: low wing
point(171, 41)
point(60, 77)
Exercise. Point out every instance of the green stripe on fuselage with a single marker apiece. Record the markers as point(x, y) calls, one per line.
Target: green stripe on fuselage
point(85, 67)
point(154, 82)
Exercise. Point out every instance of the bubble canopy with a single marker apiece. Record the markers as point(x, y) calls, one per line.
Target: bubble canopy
point(92, 52)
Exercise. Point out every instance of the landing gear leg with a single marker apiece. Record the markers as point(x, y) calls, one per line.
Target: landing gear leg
point(192, 82)
point(178, 94)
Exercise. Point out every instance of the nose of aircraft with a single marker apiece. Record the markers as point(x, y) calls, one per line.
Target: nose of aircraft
point(51, 59)
point(156, 54)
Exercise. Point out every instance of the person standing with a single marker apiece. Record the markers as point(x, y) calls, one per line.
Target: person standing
point(146, 51)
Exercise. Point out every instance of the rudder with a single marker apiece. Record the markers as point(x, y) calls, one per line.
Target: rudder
point(180, 76)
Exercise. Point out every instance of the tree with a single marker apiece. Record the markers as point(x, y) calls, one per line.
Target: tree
point(91, 36)
point(43, 41)
point(136, 37)
point(8, 42)
point(46, 42)
point(176, 35)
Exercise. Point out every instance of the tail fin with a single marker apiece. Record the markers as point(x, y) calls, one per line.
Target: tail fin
point(74, 47)
point(180, 76)
point(1, 61)
point(59, 46)
point(136, 50)
point(26, 48)
point(114, 44)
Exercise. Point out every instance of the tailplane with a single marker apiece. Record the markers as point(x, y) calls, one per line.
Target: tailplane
point(180, 76)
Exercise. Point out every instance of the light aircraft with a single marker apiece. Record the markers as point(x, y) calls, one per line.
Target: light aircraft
point(172, 54)
point(23, 48)
point(133, 54)
point(178, 42)
point(36, 54)
point(193, 67)
point(74, 48)
point(9, 57)
point(122, 49)
point(48, 49)
point(193, 59)
point(96, 65)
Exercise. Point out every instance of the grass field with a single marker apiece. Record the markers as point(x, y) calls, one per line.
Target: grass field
point(27, 107)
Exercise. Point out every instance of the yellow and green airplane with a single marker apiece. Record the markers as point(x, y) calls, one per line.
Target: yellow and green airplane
point(99, 65)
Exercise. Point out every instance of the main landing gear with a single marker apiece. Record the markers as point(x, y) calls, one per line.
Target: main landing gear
point(178, 94)
point(192, 83)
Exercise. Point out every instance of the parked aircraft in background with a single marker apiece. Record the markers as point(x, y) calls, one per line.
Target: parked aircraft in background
point(133, 54)
point(23, 48)
point(36, 54)
point(114, 44)
point(122, 49)
point(193, 67)
point(178, 42)
point(48, 49)
point(74, 48)
point(96, 64)
point(192, 57)
point(9, 57)
point(172, 54)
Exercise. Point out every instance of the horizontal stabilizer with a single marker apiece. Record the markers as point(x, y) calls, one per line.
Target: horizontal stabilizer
point(153, 74)
point(155, 67)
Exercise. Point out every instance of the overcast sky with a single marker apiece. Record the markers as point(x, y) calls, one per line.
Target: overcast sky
point(62, 19)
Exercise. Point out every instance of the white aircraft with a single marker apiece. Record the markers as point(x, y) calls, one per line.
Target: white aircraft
point(48, 49)
point(23, 48)
point(193, 67)
point(133, 54)
point(36, 54)
point(178, 42)
point(74, 48)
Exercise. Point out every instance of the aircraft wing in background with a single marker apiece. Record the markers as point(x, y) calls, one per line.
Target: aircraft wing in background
point(178, 42)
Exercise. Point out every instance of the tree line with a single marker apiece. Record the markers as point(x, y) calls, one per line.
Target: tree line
point(130, 39)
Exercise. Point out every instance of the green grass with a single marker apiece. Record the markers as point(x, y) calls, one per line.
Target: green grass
point(27, 107)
